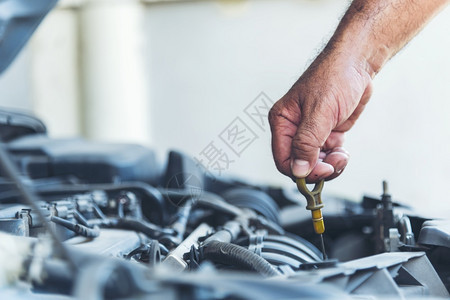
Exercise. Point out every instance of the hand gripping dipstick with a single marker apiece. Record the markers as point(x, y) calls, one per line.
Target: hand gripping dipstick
point(314, 204)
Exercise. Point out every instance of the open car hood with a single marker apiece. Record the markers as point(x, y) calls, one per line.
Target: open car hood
point(18, 20)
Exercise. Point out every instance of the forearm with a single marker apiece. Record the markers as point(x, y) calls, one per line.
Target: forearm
point(309, 122)
point(373, 31)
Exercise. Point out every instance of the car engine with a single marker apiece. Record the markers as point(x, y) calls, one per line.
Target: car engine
point(90, 220)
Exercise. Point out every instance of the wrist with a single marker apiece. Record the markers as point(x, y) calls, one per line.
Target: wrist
point(353, 59)
point(355, 39)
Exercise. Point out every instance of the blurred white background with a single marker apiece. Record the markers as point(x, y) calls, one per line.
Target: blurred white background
point(175, 74)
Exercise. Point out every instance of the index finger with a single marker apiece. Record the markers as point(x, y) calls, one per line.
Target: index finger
point(283, 131)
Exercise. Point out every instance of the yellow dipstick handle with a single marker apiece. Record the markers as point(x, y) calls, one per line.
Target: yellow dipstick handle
point(319, 226)
point(314, 203)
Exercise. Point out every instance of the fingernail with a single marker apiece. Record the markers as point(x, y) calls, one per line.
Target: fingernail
point(340, 149)
point(340, 166)
point(300, 168)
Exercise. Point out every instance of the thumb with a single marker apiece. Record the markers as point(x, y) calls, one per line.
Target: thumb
point(308, 140)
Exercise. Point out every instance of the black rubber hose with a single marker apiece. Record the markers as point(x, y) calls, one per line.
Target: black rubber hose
point(231, 254)
point(77, 228)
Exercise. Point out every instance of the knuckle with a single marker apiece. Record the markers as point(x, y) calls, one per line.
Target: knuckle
point(272, 115)
point(275, 112)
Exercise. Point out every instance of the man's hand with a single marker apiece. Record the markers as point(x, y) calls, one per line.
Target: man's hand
point(309, 122)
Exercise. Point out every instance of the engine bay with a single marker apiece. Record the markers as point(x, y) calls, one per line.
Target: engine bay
point(92, 220)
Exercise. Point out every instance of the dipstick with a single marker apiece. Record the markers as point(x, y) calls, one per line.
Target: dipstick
point(314, 204)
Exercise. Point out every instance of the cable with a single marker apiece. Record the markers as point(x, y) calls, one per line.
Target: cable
point(79, 217)
point(179, 226)
point(77, 228)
